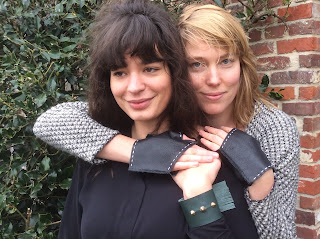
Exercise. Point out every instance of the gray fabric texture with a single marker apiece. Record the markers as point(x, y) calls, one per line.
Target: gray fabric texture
point(68, 127)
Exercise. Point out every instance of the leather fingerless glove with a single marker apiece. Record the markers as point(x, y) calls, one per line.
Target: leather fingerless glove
point(158, 153)
point(243, 153)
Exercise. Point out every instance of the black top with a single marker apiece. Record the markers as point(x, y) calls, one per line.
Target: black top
point(108, 201)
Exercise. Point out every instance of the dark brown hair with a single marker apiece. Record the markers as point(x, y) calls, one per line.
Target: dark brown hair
point(145, 30)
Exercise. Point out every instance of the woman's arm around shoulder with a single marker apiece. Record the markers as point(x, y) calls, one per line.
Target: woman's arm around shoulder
point(279, 139)
point(68, 127)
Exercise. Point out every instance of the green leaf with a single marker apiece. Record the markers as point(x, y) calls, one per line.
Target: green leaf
point(240, 15)
point(69, 48)
point(35, 190)
point(45, 163)
point(41, 99)
point(218, 2)
point(55, 55)
point(65, 184)
point(59, 8)
point(45, 55)
point(70, 16)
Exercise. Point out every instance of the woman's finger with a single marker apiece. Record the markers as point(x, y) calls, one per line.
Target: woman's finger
point(216, 139)
point(218, 132)
point(184, 165)
point(197, 150)
point(211, 145)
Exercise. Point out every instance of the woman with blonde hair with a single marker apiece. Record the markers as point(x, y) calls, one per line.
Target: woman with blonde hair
point(222, 70)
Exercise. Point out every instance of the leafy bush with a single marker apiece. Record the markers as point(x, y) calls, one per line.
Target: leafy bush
point(42, 63)
point(42, 58)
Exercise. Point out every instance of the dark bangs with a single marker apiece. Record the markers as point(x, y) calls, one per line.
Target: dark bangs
point(135, 35)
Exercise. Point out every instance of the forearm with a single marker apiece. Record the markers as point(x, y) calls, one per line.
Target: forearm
point(262, 186)
point(68, 127)
point(118, 149)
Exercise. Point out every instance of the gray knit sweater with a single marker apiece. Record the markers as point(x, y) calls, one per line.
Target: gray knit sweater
point(68, 127)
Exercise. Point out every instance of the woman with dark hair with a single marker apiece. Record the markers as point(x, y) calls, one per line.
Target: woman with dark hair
point(137, 76)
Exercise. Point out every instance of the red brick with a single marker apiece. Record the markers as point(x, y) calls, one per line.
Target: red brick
point(299, 45)
point(309, 187)
point(309, 93)
point(275, 3)
point(311, 203)
point(306, 233)
point(315, 155)
point(275, 32)
point(311, 124)
point(306, 218)
point(309, 141)
point(291, 77)
point(300, 108)
point(302, 11)
point(309, 61)
point(262, 48)
point(309, 171)
point(254, 35)
point(288, 92)
point(274, 63)
point(304, 27)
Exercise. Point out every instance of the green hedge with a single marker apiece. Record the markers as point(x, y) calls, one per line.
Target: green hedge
point(43, 55)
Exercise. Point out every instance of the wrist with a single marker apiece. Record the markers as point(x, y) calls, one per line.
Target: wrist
point(195, 190)
point(118, 149)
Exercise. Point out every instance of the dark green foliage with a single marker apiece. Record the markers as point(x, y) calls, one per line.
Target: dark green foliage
point(272, 94)
point(43, 54)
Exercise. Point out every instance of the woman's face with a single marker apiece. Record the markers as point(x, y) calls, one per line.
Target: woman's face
point(215, 75)
point(142, 90)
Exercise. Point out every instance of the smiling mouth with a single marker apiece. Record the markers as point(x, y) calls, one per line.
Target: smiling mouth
point(214, 96)
point(140, 104)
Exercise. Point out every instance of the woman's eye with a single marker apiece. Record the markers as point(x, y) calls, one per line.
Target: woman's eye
point(226, 61)
point(196, 64)
point(118, 73)
point(150, 69)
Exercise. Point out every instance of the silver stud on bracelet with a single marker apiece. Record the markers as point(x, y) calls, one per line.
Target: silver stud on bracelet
point(193, 212)
point(213, 204)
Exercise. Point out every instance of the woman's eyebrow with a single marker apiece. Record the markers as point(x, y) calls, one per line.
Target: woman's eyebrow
point(145, 62)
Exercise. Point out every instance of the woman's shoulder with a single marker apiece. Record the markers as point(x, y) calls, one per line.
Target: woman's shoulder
point(269, 120)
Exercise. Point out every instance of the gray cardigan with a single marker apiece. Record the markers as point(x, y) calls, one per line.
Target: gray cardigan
point(68, 127)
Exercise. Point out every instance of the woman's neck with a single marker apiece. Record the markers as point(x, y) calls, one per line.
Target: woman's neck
point(223, 119)
point(141, 129)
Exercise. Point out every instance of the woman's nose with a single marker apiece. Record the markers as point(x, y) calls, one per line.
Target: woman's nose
point(136, 83)
point(213, 77)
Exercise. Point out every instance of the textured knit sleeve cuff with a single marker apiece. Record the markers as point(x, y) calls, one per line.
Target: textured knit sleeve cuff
point(201, 210)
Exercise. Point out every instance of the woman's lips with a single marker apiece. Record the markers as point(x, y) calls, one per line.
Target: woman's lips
point(140, 104)
point(213, 96)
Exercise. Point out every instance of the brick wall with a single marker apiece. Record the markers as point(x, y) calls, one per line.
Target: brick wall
point(293, 63)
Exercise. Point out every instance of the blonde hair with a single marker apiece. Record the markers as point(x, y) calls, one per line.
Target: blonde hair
point(218, 28)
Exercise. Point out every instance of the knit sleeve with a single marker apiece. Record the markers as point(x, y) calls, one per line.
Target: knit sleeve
point(68, 127)
point(274, 216)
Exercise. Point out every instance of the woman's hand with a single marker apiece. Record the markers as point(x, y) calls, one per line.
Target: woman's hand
point(194, 181)
point(193, 157)
point(213, 137)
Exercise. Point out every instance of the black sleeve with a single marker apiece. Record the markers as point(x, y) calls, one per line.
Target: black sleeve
point(72, 213)
point(217, 229)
